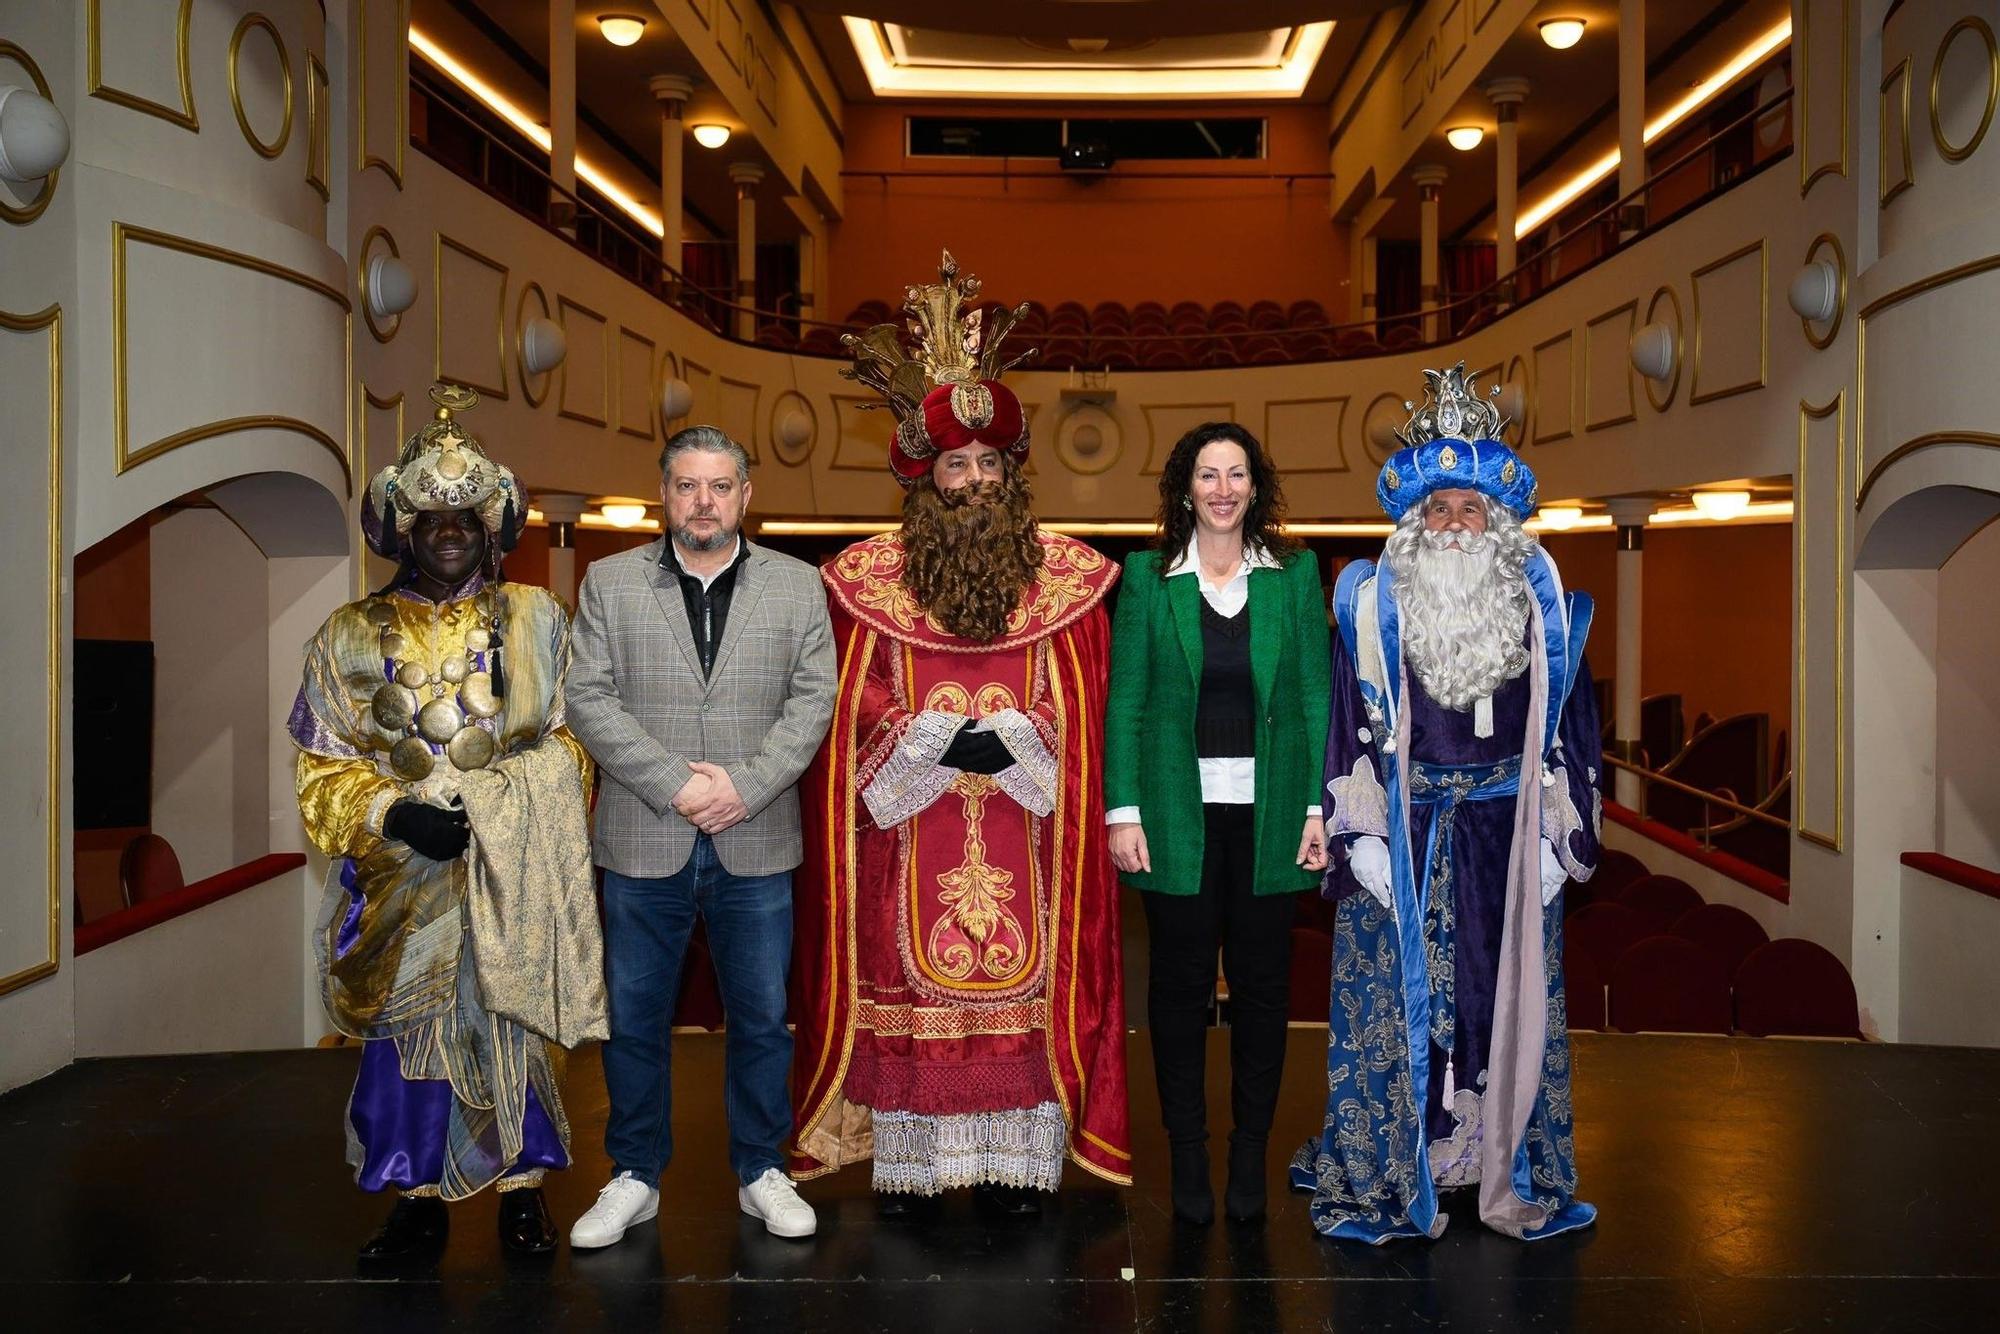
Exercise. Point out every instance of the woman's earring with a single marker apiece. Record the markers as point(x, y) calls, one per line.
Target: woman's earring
point(1186, 503)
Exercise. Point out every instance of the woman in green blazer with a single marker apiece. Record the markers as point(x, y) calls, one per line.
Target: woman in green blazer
point(1214, 734)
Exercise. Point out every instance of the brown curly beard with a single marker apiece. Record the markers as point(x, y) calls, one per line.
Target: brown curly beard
point(968, 564)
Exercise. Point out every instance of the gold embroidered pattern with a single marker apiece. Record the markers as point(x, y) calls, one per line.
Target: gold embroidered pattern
point(948, 697)
point(992, 698)
point(974, 897)
point(932, 1022)
point(867, 578)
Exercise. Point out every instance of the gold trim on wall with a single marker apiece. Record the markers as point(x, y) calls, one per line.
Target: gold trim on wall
point(618, 368)
point(520, 348)
point(395, 401)
point(184, 116)
point(437, 322)
point(31, 210)
point(778, 451)
point(319, 127)
point(1808, 414)
point(363, 159)
point(1526, 379)
point(1680, 346)
point(1885, 190)
point(1960, 152)
point(243, 27)
point(1802, 43)
point(757, 396)
point(1340, 426)
point(50, 319)
point(128, 458)
point(1375, 455)
point(1695, 394)
point(1534, 356)
point(563, 306)
point(1146, 410)
point(1630, 310)
point(1840, 301)
point(1888, 300)
point(369, 238)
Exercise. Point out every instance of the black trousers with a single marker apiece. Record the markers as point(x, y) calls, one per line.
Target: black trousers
point(1254, 934)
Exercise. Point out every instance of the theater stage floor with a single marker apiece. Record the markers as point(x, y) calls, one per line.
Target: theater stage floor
point(1743, 1185)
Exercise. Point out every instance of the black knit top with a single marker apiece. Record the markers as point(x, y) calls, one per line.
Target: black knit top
point(1225, 720)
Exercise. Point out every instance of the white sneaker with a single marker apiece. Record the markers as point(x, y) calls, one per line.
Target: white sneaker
point(772, 1198)
point(625, 1200)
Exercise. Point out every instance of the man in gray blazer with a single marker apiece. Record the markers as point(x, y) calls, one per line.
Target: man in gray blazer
point(701, 678)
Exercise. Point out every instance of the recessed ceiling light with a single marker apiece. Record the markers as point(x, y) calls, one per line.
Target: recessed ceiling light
point(1464, 138)
point(711, 136)
point(1562, 34)
point(1721, 504)
point(623, 516)
point(1559, 517)
point(621, 29)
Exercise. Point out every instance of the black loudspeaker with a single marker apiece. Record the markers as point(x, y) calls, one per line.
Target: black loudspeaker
point(111, 731)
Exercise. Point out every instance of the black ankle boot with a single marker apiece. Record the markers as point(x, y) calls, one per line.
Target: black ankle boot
point(1194, 1198)
point(903, 1206)
point(416, 1226)
point(1243, 1201)
point(525, 1225)
point(1008, 1201)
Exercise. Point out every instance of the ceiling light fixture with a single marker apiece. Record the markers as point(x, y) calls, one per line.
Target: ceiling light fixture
point(1464, 138)
point(711, 136)
point(1562, 34)
point(1559, 518)
point(1721, 506)
point(623, 515)
point(1561, 197)
point(534, 131)
point(621, 29)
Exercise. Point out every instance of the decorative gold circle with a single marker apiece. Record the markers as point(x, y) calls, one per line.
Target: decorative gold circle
point(1840, 303)
point(470, 748)
point(1376, 454)
point(411, 759)
point(413, 675)
point(477, 695)
point(394, 707)
point(779, 450)
point(1960, 152)
point(1680, 346)
point(439, 720)
point(1113, 448)
point(949, 697)
point(368, 238)
point(991, 699)
point(380, 613)
point(243, 28)
point(521, 346)
point(31, 210)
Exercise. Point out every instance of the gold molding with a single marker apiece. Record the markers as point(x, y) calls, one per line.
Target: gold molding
point(1340, 426)
point(128, 458)
point(563, 306)
point(1836, 408)
point(50, 319)
point(618, 368)
point(757, 396)
point(33, 209)
point(361, 282)
point(1680, 345)
point(395, 401)
point(437, 322)
point(1970, 23)
point(1884, 190)
point(1526, 379)
point(520, 352)
point(1695, 395)
point(363, 159)
point(1889, 300)
point(243, 27)
point(1368, 448)
point(877, 465)
point(771, 426)
point(185, 116)
point(1840, 303)
point(1146, 410)
point(319, 127)
point(1534, 355)
point(1802, 43)
point(1631, 311)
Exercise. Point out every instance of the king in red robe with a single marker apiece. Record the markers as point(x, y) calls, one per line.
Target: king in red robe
point(957, 973)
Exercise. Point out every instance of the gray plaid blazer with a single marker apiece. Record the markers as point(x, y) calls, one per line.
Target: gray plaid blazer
point(636, 700)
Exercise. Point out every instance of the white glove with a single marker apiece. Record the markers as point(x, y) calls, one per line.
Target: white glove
point(1368, 858)
point(1553, 874)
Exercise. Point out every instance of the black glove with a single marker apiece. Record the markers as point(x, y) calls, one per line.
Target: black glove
point(977, 752)
point(438, 833)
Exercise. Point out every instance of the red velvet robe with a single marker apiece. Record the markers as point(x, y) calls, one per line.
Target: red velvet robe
point(966, 959)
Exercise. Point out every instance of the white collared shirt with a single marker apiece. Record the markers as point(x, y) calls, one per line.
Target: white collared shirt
point(1225, 780)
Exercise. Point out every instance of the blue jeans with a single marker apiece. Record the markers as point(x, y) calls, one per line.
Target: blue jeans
point(647, 924)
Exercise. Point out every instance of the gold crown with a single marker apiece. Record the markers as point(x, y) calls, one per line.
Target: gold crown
point(951, 346)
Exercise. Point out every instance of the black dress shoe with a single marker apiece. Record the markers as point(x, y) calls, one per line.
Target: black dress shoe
point(1009, 1201)
point(902, 1206)
point(1243, 1200)
point(525, 1225)
point(416, 1226)
point(1194, 1198)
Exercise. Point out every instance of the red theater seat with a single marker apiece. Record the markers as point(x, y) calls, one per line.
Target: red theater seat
point(1660, 900)
point(1306, 312)
point(1615, 870)
point(1794, 988)
point(1727, 932)
point(1664, 984)
point(1147, 310)
point(1312, 975)
point(148, 868)
point(1603, 930)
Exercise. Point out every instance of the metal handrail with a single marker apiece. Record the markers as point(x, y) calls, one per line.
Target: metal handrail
point(1707, 799)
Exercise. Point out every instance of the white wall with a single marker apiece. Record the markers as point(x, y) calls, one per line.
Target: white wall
point(1968, 702)
point(1951, 988)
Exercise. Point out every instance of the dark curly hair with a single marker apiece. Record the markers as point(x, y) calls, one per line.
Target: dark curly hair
point(1267, 502)
point(968, 564)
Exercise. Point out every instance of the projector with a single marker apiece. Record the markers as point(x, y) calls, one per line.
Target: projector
point(1089, 155)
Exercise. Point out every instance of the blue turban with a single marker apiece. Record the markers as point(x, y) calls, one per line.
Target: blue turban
point(1452, 443)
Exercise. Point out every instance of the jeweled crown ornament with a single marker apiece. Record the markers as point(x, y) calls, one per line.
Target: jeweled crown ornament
point(442, 467)
point(1452, 442)
point(948, 394)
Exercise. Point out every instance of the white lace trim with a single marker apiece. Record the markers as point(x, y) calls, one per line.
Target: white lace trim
point(1559, 820)
point(1360, 806)
point(1031, 779)
point(917, 1154)
point(911, 778)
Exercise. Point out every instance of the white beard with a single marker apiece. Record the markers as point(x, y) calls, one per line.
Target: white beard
point(1464, 614)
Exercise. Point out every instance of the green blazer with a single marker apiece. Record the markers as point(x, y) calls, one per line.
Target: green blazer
point(1149, 755)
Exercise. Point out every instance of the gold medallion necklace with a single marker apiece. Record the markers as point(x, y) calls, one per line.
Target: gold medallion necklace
point(449, 717)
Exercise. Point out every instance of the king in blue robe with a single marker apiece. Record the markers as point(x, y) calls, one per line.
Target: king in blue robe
point(1462, 775)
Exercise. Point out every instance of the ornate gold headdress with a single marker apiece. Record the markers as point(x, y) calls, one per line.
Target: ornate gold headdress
point(442, 467)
